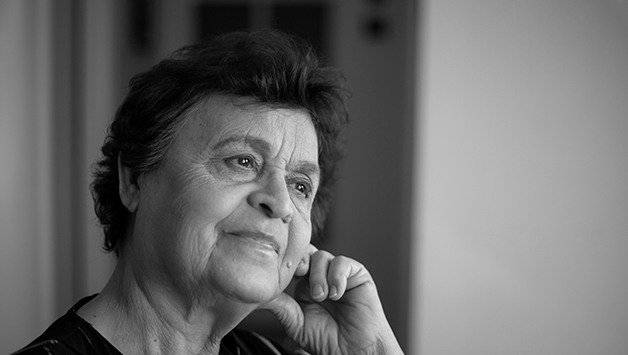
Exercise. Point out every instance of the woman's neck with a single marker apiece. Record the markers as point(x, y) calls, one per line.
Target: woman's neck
point(143, 317)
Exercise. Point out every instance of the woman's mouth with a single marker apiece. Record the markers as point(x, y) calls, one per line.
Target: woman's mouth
point(263, 241)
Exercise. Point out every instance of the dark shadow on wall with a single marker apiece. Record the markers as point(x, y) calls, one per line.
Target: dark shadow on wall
point(308, 20)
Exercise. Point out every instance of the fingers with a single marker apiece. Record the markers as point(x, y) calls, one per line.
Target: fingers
point(304, 264)
point(331, 276)
point(319, 266)
point(342, 276)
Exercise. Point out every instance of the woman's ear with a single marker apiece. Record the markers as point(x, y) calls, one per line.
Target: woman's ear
point(128, 189)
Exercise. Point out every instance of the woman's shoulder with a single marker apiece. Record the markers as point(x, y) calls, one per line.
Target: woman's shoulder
point(69, 334)
point(236, 342)
point(47, 347)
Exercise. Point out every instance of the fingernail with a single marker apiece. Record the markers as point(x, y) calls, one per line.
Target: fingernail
point(333, 291)
point(318, 291)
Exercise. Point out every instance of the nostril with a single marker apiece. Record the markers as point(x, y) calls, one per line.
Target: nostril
point(267, 210)
point(284, 215)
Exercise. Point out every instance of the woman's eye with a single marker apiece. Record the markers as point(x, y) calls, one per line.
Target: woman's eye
point(304, 189)
point(245, 162)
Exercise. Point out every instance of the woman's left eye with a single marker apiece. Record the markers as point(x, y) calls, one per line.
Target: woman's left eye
point(303, 188)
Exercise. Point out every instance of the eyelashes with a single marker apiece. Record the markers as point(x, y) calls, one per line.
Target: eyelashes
point(303, 187)
point(245, 164)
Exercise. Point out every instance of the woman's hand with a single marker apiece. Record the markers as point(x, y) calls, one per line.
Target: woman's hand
point(335, 309)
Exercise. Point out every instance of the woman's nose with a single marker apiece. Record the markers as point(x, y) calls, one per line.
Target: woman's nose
point(273, 198)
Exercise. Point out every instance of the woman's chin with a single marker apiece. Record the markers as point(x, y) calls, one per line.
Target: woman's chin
point(244, 278)
point(250, 287)
point(251, 295)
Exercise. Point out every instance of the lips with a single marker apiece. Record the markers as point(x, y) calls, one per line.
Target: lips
point(264, 239)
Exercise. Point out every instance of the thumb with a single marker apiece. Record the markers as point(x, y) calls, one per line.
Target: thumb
point(288, 312)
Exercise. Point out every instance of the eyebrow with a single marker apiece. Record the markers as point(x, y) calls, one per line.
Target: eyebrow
point(305, 167)
point(256, 143)
point(309, 169)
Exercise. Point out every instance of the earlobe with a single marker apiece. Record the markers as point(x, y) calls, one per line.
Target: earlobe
point(128, 188)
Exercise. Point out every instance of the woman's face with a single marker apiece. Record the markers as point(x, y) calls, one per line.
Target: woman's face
point(227, 214)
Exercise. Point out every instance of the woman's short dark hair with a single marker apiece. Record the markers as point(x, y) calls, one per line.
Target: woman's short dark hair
point(271, 67)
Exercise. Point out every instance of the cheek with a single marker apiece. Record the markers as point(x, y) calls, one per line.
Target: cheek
point(202, 200)
point(198, 211)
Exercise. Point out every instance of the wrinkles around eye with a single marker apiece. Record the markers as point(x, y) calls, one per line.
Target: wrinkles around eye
point(302, 186)
point(242, 167)
point(244, 162)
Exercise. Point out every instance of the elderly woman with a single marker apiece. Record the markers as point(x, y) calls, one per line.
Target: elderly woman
point(215, 175)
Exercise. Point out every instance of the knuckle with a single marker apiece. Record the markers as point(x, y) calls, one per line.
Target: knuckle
point(342, 259)
point(321, 255)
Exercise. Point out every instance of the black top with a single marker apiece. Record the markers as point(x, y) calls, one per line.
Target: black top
point(71, 335)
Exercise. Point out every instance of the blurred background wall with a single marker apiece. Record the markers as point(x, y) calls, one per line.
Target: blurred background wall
point(25, 188)
point(58, 89)
point(485, 182)
point(521, 200)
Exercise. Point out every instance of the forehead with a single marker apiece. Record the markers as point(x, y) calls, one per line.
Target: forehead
point(220, 119)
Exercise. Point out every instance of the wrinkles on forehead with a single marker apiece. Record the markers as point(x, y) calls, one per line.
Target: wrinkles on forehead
point(281, 134)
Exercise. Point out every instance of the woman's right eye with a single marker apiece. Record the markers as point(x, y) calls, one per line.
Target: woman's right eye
point(243, 162)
